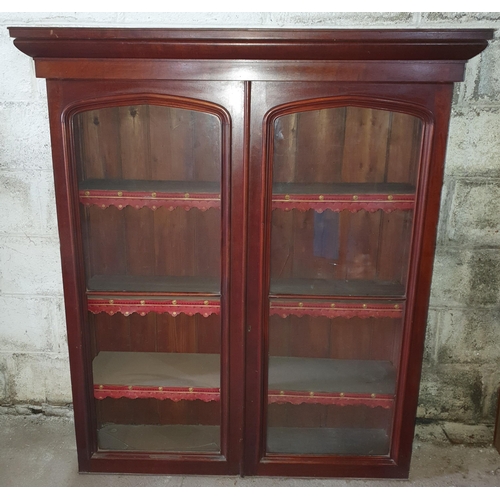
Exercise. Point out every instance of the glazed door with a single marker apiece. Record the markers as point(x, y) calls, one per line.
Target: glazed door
point(153, 189)
point(328, 315)
point(151, 196)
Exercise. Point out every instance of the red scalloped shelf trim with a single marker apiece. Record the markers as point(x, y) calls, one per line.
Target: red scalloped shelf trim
point(337, 202)
point(336, 309)
point(152, 392)
point(152, 200)
point(324, 398)
point(143, 307)
point(213, 394)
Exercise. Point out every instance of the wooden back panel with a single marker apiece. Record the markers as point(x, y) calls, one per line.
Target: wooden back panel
point(344, 145)
point(148, 142)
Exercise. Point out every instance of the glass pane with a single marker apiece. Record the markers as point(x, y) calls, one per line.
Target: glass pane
point(157, 382)
point(142, 170)
point(150, 197)
point(343, 195)
point(348, 145)
point(332, 253)
point(331, 384)
point(343, 192)
point(328, 430)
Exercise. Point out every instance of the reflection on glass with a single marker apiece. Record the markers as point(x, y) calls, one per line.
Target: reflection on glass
point(331, 384)
point(344, 253)
point(157, 382)
point(150, 196)
point(343, 191)
point(150, 182)
point(346, 178)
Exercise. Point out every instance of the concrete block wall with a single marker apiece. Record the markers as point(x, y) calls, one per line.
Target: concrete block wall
point(461, 369)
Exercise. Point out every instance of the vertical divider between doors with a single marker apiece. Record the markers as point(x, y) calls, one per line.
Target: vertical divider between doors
point(236, 294)
point(254, 281)
point(245, 221)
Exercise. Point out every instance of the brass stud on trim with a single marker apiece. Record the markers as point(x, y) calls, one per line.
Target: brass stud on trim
point(153, 195)
point(390, 197)
point(311, 394)
point(364, 306)
point(120, 193)
point(191, 389)
point(341, 394)
point(205, 302)
point(126, 313)
point(373, 395)
point(282, 393)
point(160, 388)
point(301, 304)
point(103, 206)
point(111, 301)
point(396, 306)
point(186, 195)
point(174, 314)
point(332, 305)
point(101, 387)
point(321, 197)
point(143, 302)
point(87, 193)
point(355, 197)
point(174, 302)
point(287, 196)
point(130, 387)
point(143, 314)
point(120, 206)
point(205, 315)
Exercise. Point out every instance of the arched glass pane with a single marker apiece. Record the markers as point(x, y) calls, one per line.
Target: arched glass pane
point(150, 195)
point(343, 191)
point(343, 194)
point(142, 170)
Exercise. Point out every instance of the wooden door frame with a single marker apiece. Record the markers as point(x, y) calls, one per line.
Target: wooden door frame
point(65, 99)
point(432, 104)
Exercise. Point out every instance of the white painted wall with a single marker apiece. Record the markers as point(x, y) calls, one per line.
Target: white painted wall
point(461, 369)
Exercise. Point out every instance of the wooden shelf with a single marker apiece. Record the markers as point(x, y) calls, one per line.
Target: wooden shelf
point(331, 376)
point(343, 196)
point(327, 441)
point(155, 284)
point(203, 195)
point(169, 438)
point(152, 194)
point(339, 309)
point(348, 188)
point(335, 288)
point(187, 376)
point(175, 376)
point(145, 304)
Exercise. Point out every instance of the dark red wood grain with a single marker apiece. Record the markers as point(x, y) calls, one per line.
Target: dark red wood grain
point(156, 105)
point(251, 44)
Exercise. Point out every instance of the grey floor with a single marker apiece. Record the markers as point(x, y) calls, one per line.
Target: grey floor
point(40, 451)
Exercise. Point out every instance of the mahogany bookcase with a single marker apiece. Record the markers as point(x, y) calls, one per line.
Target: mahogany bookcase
point(247, 223)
